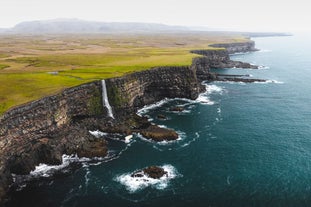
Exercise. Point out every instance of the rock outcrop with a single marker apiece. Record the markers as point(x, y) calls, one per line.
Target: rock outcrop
point(159, 134)
point(238, 47)
point(42, 131)
point(131, 92)
point(154, 172)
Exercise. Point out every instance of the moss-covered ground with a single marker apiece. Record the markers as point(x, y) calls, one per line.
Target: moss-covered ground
point(35, 66)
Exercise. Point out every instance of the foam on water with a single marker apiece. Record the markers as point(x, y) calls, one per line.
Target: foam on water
point(210, 89)
point(134, 184)
point(44, 170)
point(204, 99)
point(97, 133)
point(147, 108)
point(263, 67)
point(270, 81)
point(150, 107)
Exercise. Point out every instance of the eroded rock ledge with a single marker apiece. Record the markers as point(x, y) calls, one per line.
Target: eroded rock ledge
point(43, 130)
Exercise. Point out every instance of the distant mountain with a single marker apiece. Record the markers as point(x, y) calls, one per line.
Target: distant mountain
point(3, 30)
point(80, 26)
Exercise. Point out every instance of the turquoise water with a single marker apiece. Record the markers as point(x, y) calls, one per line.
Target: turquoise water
point(246, 145)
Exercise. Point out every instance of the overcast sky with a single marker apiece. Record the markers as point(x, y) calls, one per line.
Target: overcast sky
point(251, 15)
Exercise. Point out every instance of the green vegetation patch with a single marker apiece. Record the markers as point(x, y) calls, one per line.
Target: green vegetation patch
point(116, 98)
point(34, 67)
point(95, 106)
point(2, 66)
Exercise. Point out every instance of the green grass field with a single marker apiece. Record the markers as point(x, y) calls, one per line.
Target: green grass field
point(28, 63)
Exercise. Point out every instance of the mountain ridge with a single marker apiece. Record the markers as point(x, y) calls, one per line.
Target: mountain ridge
point(61, 26)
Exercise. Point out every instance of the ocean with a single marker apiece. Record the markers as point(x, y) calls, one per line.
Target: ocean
point(241, 144)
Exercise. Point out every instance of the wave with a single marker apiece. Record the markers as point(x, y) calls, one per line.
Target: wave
point(148, 108)
point(263, 67)
point(270, 81)
point(46, 171)
point(98, 134)
point(204, 99)
point(158, 104)
point(133, 184)
point(209, 89)
point(213, 89)
point(264, 50)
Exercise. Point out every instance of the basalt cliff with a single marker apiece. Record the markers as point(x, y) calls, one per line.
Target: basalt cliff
point(43, 130)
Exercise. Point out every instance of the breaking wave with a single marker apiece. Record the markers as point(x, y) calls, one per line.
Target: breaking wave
point(134, 184)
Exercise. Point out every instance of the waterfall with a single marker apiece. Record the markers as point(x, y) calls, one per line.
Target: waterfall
point(105, 99)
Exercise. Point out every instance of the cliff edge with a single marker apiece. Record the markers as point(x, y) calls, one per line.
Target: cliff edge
point(43, 130)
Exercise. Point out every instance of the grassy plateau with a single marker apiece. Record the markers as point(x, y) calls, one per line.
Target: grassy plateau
point(32, 67)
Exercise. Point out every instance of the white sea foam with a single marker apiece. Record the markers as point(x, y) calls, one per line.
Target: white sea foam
point(213, 89)
point(210, 89)
point(263, 67)
point(239, 53)
point(44, 170)
point(128, 138)
point(158, 104)
point(264, 50)
point(133, 184)
point(270, 81)
point(147, 108)
point(231, 82)
point(204, 99)
point(98, 133)
point(219, 110)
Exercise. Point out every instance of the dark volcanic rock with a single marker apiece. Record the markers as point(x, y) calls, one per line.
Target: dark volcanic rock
point(154, 172)
point(238, 47)
point(177, 108)
point(159, 134)
point(243, 80)
point(161, 117)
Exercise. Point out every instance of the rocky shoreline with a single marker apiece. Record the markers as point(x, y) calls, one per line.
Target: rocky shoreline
point(43, 130)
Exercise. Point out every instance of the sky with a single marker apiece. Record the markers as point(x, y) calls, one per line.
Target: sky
point(243, 15)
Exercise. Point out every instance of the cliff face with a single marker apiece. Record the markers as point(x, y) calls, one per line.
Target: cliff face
point(41, 131)
point(131, 92)
point(220, 58)
point(237, 47)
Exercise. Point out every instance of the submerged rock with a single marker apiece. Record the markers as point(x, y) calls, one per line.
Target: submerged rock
point(161, 117)
point(177, 109)
point(159, 134)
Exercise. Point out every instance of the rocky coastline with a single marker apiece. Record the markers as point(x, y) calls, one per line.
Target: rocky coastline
point(43, 130)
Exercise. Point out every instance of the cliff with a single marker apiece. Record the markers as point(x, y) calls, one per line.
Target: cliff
point(42, 131)
point(216, 59)
point(238, 47)
point(136, 90)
